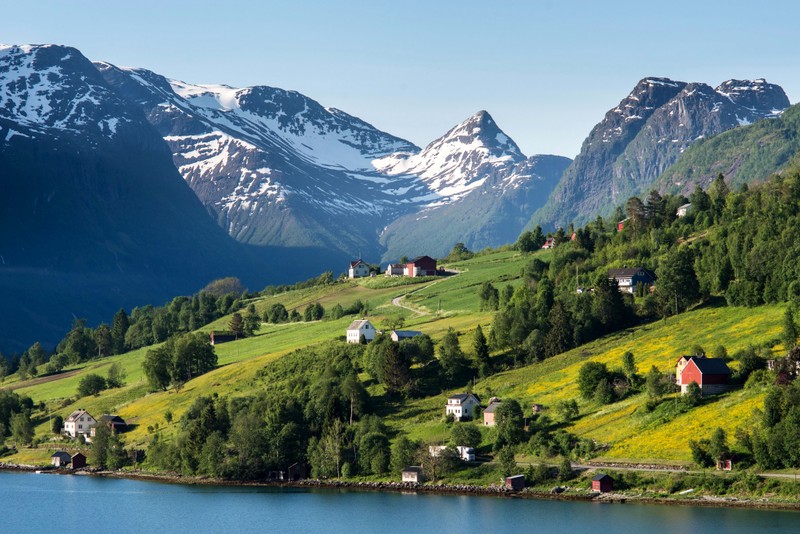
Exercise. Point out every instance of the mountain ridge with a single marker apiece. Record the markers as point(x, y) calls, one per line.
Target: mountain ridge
point(646, 133)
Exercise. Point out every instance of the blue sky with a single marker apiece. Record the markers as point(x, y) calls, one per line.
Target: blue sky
point(547, 71)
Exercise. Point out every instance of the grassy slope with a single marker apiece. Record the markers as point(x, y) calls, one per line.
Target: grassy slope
point(441, 304)
point(625, 425)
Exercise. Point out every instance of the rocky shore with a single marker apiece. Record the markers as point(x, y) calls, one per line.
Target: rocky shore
point(495, 490)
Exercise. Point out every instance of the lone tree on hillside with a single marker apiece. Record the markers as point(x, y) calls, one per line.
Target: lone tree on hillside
point(481, 348)
point(236, 325)
point(91, 384)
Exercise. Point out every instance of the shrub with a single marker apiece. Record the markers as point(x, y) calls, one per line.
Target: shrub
point(91, 384)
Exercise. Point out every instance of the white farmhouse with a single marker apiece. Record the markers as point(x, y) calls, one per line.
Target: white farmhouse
point(358, 269)
point(358, 329)
point(461, 405)
point(79, 422)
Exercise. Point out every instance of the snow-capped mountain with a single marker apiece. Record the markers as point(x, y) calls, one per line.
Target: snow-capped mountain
point(646, 133)
point(278, 168)
point(493, 212)
point(483, 189)
point(47, 90)
point(459, 161)
point(94, 214)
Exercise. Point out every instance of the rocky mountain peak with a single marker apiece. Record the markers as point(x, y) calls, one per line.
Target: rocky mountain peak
point(646, 133)
point(56, 87)
point(754, 94)
point(480, 131)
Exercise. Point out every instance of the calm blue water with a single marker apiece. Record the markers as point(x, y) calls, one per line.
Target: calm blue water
point(66, 503)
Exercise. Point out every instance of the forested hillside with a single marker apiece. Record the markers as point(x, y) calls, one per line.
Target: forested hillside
point(527, 325)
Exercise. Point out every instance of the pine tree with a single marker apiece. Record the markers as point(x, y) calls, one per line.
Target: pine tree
point(481, 348)
point(236, 324)
point(119, 327)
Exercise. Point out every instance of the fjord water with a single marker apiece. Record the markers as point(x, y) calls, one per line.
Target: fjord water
point(73, 503)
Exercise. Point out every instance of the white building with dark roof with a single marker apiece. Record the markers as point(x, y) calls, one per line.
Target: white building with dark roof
point(399, 335)
point(360, 328)
point(461, 405)
point(358, 269)
point(79, 422)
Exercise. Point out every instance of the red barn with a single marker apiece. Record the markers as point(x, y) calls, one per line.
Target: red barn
point(602, 483)
point(711, 374)
point(421, 266)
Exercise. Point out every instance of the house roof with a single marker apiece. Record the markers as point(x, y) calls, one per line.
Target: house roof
point(492, 406)
point(685, 206)
point(111, 418)
point(420, 258)
point(461, 397)
point(413, 469)
point(601, 476)
point(356, 325)
point(688, 357)
point(64, 455)
point(711, 366)
point(403, 334)
point(78, 454)
point(357, 262)
point(76, 414)
point(624, 272)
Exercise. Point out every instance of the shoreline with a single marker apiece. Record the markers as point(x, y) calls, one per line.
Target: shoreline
point(436, 489)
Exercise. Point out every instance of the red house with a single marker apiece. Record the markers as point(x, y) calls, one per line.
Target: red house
point(602, 483)
point(710, 374)
point(621, 224)
point(421, 266)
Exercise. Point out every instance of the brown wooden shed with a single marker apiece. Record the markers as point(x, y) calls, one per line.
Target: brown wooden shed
point(516, 482)
point(602, 483)
point(78, 460)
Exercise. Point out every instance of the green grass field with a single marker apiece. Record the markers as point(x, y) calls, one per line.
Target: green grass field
point(437, 305)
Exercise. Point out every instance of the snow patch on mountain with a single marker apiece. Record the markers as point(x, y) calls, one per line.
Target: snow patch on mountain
point(456, 163)
point(43, 86)
point(324, 137)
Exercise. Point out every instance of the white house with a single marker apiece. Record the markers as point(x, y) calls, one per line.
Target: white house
point(683, 210)
point(358, 269)
point(395, 269)
point(79, 422)
point(460, 406)
point(466, 454)
point(358, 329)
